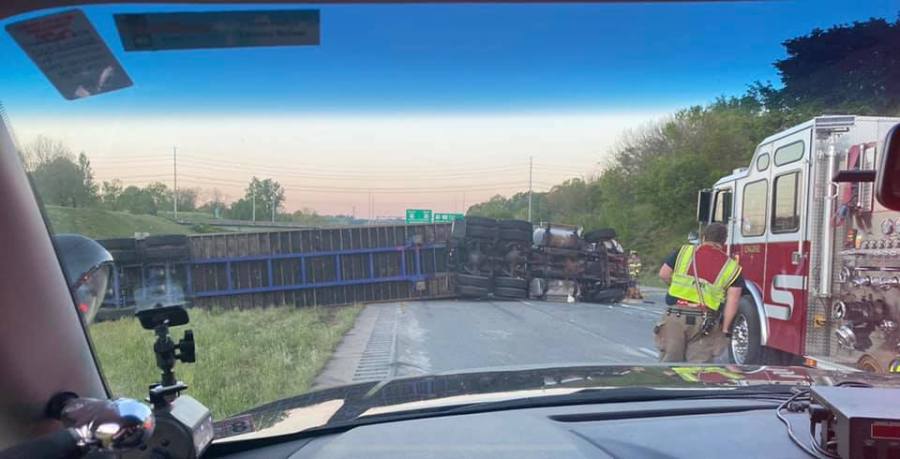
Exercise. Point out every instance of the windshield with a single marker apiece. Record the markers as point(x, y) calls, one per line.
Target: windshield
point(343, 194)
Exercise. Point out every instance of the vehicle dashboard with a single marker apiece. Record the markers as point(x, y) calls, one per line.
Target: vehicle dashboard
point(657, 429)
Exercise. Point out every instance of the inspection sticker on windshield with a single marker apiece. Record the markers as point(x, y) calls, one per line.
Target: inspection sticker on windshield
point(235, 425)
point(220, 29)
point(67, 48)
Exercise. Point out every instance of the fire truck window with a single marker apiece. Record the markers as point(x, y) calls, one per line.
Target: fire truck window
point(786, 216)
point(753, 210)
point(789, 153)
point(762, 163)
point(722, 211)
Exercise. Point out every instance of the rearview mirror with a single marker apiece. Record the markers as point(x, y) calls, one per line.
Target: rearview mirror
point(88, 267)
point(887, 181)
point(704, 201)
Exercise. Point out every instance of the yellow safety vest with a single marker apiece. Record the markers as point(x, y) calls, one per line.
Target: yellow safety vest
point(684, 285)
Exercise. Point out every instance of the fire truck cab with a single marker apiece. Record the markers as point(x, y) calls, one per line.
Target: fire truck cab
point(819, 253)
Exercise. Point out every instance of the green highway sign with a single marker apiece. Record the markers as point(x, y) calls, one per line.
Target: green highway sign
point(418, 215)
point(447, 218)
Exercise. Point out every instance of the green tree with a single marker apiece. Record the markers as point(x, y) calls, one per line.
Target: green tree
point(59, 182)
point(242, 209)
point(851, 68)
point(138, 201)
point(266, 194)
point(88, 190)
point(56, 175)
point(110, 193)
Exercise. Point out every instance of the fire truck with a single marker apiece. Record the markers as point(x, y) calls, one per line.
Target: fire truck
point(819, 253)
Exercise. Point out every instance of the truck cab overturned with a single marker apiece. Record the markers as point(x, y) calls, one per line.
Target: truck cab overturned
point(818, 251)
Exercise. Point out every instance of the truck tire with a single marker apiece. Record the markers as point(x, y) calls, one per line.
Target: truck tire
point(468, 291)
point(745, 347)
point(508, 234)
point(502, 292)
point(117, 244)
point(511, 282)
point(519, 225)
point(473, 281)
point(602, 234)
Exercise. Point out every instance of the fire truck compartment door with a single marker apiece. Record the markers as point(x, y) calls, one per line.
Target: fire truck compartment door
point(787, 247)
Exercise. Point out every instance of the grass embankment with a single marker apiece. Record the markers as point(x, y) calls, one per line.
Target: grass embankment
point(104, 224)
point(244, 358)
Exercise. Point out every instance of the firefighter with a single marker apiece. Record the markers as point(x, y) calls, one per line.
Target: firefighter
point(700, 279)
point(634, 270)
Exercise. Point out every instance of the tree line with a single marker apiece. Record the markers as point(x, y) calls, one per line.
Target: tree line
point(62, 178)
point(647, 192)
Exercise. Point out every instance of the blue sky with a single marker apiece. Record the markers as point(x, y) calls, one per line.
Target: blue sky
point(468, 58)
point(482, 85)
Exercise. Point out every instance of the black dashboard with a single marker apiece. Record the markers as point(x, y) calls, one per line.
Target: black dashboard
point(658, 429)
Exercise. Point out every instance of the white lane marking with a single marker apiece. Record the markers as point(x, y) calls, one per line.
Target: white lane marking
point(649, 352)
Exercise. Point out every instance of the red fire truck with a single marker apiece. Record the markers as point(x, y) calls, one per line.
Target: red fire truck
point(819, 253)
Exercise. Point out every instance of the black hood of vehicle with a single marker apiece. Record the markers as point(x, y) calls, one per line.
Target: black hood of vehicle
point(348, 403)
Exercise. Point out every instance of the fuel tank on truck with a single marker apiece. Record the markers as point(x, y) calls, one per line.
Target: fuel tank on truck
point(557, 236)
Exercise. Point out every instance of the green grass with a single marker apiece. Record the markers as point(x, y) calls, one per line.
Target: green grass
point(244, 358)
point(104, 224)
point(186, 216)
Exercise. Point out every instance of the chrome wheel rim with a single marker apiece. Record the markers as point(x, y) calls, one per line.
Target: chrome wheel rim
point(740, 339)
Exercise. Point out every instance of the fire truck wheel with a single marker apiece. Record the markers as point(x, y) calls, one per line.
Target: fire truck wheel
point(745, 348)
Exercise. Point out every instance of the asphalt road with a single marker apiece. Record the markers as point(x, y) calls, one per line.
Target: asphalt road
point(420, 337)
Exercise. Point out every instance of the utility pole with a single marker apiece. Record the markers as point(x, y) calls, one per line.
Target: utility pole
point(530, 188)
point(175, 181)
point(253, 193)
point(273, 207)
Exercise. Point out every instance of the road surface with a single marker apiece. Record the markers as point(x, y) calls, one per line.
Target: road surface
point(412, 338)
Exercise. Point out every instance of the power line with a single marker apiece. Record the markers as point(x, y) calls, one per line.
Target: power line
point(361, 190)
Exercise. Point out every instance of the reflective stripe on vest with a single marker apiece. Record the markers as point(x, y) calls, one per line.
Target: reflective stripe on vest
point(684, 285)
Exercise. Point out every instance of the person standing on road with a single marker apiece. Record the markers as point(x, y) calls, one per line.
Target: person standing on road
point(700, 279)
point(634, 272)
